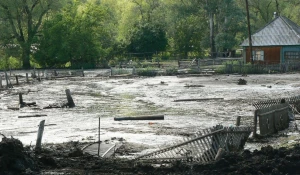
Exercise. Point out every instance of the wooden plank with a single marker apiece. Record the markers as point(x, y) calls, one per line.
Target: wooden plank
point(28, 116)
point(198, 99)
point(149, 117)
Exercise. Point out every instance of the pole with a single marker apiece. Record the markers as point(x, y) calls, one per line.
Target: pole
point(238, 120)
point(99, 138)
point(255, 124)
point(71, 103)
point(6, 78)
point(249, 32)
point(27, 80)
point(17, 80)
point(40, 135)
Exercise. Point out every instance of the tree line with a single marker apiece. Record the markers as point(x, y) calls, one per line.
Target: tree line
point(90, 33)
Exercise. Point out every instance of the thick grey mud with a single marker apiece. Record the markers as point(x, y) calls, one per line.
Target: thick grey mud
point(96, 97)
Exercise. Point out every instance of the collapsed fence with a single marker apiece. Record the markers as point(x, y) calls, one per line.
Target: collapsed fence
point(274, 115)
point(204, 146)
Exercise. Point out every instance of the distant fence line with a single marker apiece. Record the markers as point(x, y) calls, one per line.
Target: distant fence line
point(222, 65)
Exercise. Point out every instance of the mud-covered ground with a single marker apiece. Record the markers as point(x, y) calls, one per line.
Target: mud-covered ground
point(68, 158)
point(97, 97)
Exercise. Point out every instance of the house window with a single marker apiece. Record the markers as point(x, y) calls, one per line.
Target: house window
point(292, 55)
point(258, 55)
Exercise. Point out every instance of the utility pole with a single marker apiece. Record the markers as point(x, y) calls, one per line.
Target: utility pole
point(249, 32)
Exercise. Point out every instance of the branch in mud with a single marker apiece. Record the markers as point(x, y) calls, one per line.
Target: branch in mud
point(3, 135)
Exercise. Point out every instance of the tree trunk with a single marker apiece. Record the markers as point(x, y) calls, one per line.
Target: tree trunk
point(212, 41)
point(26, 56)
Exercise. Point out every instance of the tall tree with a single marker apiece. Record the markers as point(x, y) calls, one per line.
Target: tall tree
point(23, 19)
point(77, 35)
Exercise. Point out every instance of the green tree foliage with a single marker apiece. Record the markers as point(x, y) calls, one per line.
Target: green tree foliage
point(147, 39)
point(77, 35)
point(91, 32)
point(21, 21)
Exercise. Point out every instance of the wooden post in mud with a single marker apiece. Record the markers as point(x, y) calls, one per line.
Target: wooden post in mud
point(27, 80)
point(34, 75)
point(82, 71)
point(238, 120)
point(39, 78)
point(255, 124)
point(1, 81)
point(71, 103)
point(6, 78)
point(219, 154)
point(99, 138)
point(8, 85)
point(133, 70)
point(21, 102)
point(40, 135)
point(55, 73)
point(198, 65)
point(17, 80)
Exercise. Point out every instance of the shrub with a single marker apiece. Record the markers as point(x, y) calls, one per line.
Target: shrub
point(171, 71)
point(148, 72)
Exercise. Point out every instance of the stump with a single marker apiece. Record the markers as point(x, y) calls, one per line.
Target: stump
point(71, 103)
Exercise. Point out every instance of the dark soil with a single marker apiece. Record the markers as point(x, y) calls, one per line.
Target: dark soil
point(68, 158)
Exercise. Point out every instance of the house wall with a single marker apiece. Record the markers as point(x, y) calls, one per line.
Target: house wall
point(272, 55)
point(288, 48)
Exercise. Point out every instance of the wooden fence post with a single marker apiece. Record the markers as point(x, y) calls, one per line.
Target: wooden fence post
point(219, 154)
point(27, 80)
point(82, 71)
point(21, 102)
point(1, 81)
point(71, 103)
point(8, 84)
point(198, 64)
point(133, 70)
point(255, 124)
point(39, 78)
point(40, 135)
point(17, 80)
point(99, 138)
point(238, 120)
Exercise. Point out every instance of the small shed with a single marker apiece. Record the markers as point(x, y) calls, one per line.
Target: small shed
point(277, 42)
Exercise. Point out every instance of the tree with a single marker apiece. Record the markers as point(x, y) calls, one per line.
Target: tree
point(76, 35)
point(147, 38)
point(23, 19)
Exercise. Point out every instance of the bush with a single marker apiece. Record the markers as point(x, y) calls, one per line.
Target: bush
point(148, 72)
point(10, 63)
point(171, 71)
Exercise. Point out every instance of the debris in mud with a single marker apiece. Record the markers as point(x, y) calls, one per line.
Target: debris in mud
point(242, 81)
point(194, 85)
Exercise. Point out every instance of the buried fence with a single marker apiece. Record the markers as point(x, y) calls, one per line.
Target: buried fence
point(273, 115)
point(271, 119)
point(204, 146)
point(293, 101)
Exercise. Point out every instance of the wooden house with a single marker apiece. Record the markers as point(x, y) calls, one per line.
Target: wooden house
point(277, 42)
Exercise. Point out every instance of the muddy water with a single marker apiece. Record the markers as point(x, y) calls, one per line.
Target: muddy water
point(108, 98)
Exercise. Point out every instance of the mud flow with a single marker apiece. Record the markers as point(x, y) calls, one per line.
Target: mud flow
point(97, 96)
